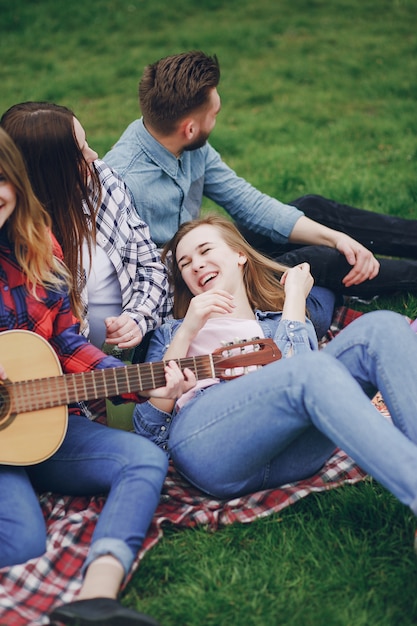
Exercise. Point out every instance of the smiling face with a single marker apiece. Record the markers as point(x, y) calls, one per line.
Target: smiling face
point(7, 199)
point(207, 262)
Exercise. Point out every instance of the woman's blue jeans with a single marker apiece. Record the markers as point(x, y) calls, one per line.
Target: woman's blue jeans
point(280, 423)
point(93, 459)
point(320, 306)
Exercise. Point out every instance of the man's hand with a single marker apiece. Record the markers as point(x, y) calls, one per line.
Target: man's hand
point(364, 265)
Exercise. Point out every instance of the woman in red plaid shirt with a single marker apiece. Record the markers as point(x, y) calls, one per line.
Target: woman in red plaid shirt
point(92, 458)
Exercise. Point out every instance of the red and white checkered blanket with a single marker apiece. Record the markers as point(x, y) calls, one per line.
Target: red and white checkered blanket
point(29, 591)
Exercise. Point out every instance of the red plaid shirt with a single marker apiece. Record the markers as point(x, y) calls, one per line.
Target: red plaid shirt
point(49, 316)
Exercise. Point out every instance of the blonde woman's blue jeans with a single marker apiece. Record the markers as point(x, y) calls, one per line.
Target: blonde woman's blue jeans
point(281, 423)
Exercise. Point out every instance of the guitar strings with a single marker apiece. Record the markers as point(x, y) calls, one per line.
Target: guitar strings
point(65, 389)
point(43, 393)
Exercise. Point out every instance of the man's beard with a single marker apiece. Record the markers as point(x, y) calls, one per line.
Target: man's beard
point(199, 142)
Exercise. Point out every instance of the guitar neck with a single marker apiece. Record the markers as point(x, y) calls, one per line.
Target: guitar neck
point(42, 393)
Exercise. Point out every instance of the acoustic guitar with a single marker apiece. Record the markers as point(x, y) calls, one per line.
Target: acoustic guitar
point(34, 411)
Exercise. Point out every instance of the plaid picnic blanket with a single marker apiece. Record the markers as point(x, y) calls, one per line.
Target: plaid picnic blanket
point(29, 591)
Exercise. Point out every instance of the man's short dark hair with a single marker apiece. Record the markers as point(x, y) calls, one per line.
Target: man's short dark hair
point(176, 85)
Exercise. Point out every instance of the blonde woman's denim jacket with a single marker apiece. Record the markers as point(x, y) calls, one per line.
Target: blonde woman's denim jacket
point(291, 337)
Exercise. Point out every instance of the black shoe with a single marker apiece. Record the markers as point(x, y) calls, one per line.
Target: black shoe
point(101, 611)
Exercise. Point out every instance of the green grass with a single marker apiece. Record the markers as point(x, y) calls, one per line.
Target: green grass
point(336, 558)
point(317, 97)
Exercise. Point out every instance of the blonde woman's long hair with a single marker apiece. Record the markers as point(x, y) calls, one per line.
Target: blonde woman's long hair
point(29, 226)
point(261, 275)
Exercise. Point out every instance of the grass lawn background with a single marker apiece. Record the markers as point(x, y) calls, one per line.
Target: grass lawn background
point(317, 97)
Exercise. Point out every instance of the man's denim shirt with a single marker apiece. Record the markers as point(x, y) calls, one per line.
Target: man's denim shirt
point(291, 337)
point(168, 191)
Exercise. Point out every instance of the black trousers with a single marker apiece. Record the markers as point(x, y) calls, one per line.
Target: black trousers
point(382, 234)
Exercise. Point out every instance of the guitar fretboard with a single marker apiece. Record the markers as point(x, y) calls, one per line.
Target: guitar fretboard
point(43, 393)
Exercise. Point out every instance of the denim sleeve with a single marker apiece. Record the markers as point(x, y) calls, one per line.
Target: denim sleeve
point(159, 343)
point(295, 337)
point(148, 420)
point(246, 204)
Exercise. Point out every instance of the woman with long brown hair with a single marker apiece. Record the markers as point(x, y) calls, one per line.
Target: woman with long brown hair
point(119, 283)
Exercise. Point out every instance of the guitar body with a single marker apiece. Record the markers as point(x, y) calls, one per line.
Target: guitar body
point(29, 438)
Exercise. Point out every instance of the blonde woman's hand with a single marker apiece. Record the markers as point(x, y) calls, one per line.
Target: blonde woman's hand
point(202, 307)
point(298, 280)
point(177, 383)
point(297, 283)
